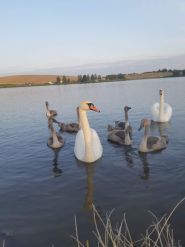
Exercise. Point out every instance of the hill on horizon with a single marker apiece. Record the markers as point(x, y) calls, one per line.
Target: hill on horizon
point(30, 79)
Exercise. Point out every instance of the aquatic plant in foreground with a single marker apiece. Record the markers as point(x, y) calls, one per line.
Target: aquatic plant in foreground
point(158, 234)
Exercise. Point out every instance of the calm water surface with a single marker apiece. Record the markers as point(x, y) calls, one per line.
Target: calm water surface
point(38, 201)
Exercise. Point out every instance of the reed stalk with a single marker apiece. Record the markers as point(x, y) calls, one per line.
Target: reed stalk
point(158, 234)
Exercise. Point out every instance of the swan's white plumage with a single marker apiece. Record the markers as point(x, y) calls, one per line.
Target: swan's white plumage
point(165, 117)
point(161, 112)
point(79, 148)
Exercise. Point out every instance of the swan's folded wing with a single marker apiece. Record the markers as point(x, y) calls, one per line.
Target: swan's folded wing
point(79, 148)
point(74, 125)
point(152, 140)
point(97, 147)
point(155, 111)
point(120, 134)
point(119, 125)
point(117, 136)
point(167, 111)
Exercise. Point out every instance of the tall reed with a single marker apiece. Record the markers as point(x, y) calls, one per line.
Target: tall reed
point(158, 234)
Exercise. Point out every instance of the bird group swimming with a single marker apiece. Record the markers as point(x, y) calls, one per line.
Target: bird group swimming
point(88, 147)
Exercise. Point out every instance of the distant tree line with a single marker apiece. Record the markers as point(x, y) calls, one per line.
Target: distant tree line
point(112, 77)
point(64, 79)
point(89, 78)
point(115, 77)
point(175, 72)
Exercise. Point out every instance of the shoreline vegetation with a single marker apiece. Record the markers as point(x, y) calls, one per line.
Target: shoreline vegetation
point(158, 234)
point(43, 80)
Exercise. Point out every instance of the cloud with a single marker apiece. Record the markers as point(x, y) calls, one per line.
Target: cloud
point(123, 66)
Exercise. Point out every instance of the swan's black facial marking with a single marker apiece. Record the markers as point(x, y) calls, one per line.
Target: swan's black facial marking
point(90, 105)
point(127, 108)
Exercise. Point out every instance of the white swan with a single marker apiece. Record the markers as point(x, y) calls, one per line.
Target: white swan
point(55, 141)
point(151, 143)
point(88, 147)
point(161, 111)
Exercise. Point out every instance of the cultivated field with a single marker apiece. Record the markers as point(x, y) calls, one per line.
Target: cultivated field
point(21, 80)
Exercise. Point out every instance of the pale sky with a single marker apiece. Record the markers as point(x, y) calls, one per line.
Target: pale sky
point(37, 35)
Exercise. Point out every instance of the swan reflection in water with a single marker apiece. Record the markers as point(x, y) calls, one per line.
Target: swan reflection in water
point(129, 152)
point(131, 157)
point(160, 127)
point(56, 170)
point(90, 170)
point(55, 143)
point(8, 239)
point(146, 169)
point(90, 187)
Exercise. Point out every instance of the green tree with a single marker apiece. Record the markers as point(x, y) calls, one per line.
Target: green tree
point(84, 78)
point(175, 72)
point(164, 70)
point(111, 77)
point(121, 76)
point(92, 77)
point(64, 79)
point(99, 78)
point(58, 79)
point(79, 78)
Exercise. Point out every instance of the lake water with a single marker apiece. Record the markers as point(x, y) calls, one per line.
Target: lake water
point(38, 202)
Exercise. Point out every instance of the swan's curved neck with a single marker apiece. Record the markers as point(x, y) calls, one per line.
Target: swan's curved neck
point(126, 116)
point(146, 131)
point(47, 107)
point(161, 107)
point(84, 124)
point(53, 133)
point(78, 116)
point(55, 138)
point(144, 140)
point(127, 138)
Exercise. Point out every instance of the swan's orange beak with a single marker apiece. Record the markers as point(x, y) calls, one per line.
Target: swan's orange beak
point(94, 108)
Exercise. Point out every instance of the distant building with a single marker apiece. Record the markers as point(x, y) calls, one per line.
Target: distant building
point(28, 83)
